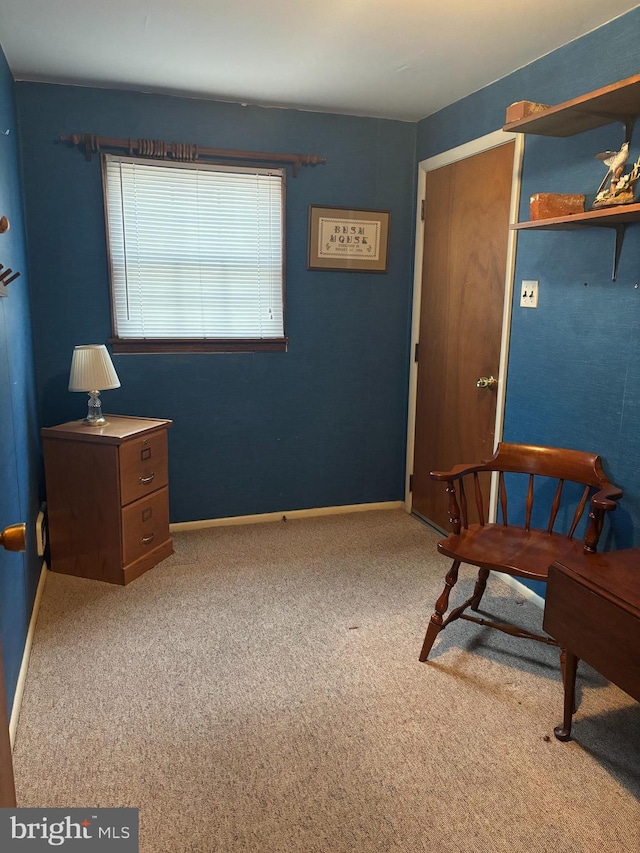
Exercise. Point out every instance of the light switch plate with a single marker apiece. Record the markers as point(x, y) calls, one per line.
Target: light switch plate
point(529, 294)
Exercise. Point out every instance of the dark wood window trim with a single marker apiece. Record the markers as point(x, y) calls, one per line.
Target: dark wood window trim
point(177, 345)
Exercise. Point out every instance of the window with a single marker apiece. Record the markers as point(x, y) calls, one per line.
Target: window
point(196, 255)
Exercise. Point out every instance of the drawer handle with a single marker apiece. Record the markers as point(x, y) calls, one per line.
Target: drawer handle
point(146, 480)
point(146, 539)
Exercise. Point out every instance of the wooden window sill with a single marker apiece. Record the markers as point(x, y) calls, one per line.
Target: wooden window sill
point(166, 345)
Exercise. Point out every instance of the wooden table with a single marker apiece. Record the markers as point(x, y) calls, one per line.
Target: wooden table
point(592, 609)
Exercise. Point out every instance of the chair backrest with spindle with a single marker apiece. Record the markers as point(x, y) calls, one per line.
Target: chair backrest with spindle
point(551, 463)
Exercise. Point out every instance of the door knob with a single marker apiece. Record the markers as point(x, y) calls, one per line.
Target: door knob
point(13, 538)
point(486, 382)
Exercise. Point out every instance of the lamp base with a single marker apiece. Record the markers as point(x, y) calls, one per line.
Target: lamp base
point(94, 411)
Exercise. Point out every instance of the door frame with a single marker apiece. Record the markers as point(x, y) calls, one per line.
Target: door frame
point(461, 152)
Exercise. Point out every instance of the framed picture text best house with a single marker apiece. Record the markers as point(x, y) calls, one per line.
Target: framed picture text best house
point(342, 238)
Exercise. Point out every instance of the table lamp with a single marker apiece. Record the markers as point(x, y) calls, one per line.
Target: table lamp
point(92, 371)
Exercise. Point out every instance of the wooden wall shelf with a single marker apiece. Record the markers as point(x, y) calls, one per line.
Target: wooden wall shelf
point(617, 102)
point(608, 217)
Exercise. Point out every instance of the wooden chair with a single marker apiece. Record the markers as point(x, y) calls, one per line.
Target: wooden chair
point(520, 550)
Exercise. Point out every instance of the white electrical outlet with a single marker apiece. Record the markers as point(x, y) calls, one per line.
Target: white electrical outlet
point(529, 294)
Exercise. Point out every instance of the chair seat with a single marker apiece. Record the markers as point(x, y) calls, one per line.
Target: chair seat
point(520, 552)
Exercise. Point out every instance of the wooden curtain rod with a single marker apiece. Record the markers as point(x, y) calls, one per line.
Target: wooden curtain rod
point(183, 151)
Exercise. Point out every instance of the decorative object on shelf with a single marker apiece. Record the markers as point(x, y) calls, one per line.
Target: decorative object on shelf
point(184, 151)
point(547, 205)
point(341, 238)
point(616, 161)
point(92, 371)
point(523, 109)
point(621, 189)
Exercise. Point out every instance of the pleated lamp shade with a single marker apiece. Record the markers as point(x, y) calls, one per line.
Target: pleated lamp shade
point(92, 369)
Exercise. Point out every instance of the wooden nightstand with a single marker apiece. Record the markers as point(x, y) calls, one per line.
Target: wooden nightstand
point(107, 497)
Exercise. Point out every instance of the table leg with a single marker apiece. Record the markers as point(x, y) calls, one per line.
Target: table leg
point(569, 668)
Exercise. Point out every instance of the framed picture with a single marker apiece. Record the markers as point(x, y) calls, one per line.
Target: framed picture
point(341, 238)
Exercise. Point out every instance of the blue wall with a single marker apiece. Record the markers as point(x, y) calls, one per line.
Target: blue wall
point(320, 425)
point(574, 366)
point(19, 454)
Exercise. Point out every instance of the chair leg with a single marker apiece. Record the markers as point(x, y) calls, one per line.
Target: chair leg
point(479, 588)
point(435, 624)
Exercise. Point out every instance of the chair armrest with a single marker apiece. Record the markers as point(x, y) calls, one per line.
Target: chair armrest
point(605, 499)
point(458, 471)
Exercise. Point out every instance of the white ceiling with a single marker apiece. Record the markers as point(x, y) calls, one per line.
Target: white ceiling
point(402, 59)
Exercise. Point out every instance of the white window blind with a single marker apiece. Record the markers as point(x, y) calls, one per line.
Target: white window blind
point(196, 250)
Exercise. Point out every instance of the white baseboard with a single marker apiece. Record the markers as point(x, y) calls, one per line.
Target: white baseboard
point(277, 516)
point(524, 591)
point(22, 675)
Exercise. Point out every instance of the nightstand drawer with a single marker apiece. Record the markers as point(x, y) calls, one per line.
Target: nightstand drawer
point(145, 525)
point(143, 466)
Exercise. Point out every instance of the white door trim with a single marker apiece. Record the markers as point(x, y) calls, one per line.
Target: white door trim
point(469, 149)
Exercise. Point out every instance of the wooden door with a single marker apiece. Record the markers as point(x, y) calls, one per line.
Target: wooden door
point(7, 787)
point(463, 279)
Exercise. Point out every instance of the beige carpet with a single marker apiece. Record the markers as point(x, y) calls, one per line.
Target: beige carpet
point(260, 691)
